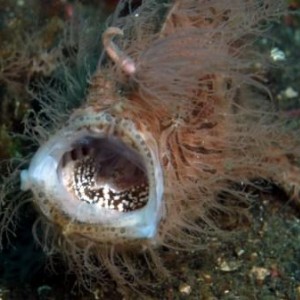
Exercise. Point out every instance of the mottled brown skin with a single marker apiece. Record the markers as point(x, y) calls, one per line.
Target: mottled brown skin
point(205, 128)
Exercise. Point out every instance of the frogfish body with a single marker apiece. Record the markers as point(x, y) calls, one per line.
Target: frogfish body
point(171, 120)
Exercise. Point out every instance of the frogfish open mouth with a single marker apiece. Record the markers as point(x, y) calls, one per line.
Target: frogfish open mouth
point(174, 117)
point(100, 170)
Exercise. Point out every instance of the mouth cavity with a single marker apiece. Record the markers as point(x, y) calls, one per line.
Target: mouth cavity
point(105, 172)
point(102, 173)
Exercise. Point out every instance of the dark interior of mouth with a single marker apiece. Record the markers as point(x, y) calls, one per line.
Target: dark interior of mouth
point(106, 172)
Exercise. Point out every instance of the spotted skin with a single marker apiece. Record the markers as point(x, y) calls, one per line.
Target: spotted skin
point(87, 189)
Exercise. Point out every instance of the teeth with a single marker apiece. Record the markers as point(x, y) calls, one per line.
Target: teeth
point(74, 154)
point(85, 150)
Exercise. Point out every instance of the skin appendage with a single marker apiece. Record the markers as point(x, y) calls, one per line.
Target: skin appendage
point(116, 55)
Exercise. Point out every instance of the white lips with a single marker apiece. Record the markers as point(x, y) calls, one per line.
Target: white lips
point(42, 178)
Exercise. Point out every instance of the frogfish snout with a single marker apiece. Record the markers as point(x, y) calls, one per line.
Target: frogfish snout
point(100, 177)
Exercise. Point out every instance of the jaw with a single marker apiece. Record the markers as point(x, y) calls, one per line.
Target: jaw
point(99, 173)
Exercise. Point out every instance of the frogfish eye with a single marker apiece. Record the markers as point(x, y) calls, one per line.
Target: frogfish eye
point(99, 177)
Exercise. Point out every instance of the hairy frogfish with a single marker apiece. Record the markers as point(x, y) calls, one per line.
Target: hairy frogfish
point(175, 115)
